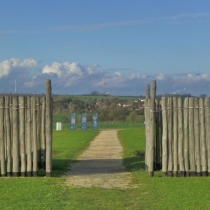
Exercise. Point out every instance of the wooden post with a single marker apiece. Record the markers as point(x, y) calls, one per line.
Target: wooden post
point(191, 137)
point(197, 136)
point(180, 137)
point(43, 132)
point(34, 131)
point(207, 124)
point(170, 136)
point(151, 135)
point(186, 136)
point(146, 113)
point(175, 137)
point(28, 139)
point(22, 134)
point(48, 129)
point(15, 141)
point(203, 137)
point(164, 138)
point(8, 135)
point(38, 123)
point(2, 145)
point(158, 139)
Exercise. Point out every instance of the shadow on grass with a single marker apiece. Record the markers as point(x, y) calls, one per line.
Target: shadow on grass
point(96, 166)
point(134, 163)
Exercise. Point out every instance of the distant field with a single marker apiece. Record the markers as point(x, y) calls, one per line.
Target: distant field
point(65, 120)
point(105, 125)
point(92, 97)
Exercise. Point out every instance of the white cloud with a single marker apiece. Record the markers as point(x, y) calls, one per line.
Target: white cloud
point(118, 73)
point(74, 76)
point(14, 65)
point(160, 77)
point(67, 69)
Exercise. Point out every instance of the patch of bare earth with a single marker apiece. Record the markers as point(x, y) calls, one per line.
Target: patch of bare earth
point(100, 165)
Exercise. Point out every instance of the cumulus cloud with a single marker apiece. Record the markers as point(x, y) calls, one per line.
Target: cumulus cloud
point(160, 77)
point(68, 69)
point(15, 65)
point(74, 76)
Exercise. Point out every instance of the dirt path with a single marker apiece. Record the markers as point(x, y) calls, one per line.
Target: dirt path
point(100, 165)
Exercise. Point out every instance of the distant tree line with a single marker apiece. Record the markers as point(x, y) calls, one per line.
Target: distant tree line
point(108, 108)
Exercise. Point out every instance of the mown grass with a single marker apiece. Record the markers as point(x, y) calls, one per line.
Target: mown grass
point(150, 193)
point(67, 145)
point(105, 125)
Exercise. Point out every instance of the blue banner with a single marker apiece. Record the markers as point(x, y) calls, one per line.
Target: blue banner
point(84, 121)
point(73, 121)
point(95, 121)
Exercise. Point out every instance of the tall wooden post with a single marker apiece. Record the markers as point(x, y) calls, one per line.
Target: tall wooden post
point(158, 139)
point(151, 136)
point(191, 137)
point(207, 124)
point(8, 135)
point(164, 138)
point(203, 137)
point(197, 137)
point(170, 136)
point(175, 136)
point(15, 141)
point(146, 113)
point(43, 132)
point(34, 131)
point(22, 134)
point(48, 129)
point(38, 125)
point(186, 136)
point(2, 145)
point(28, 137)
point(180, 137)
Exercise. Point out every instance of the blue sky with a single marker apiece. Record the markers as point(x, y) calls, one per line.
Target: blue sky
point(82, 44)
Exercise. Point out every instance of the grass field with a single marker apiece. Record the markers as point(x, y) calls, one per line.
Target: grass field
point(150, 193)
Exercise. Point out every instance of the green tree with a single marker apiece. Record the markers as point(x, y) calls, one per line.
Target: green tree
point(132, 116)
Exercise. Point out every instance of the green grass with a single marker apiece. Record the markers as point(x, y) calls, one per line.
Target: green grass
point(67, 145)
point(158, 192)
point(64, 117)
point(105, 125)
point(151, 193)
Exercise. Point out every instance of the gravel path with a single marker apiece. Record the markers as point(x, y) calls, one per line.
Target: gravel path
point(100, 165)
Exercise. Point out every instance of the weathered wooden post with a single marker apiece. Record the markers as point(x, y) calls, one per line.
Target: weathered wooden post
point(22, 134)
point(2, 145)
point(28, 137)
point(191, 137)
point(207, 125)
point(158, 139)
point(34, 139)
point(15, 139)
point(180, 137)
point(197, 137)
point(48, 129)
point(38, 123)
point(8, 135)
point(203, 137)
point(164, 138)
point(43, 121)
point(186, 136)
point(151, 135)
point(170, 136)
point(175, 136)
point(146, 113)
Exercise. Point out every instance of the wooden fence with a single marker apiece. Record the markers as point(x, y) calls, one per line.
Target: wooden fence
point(26, 134)
point(177, 135)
